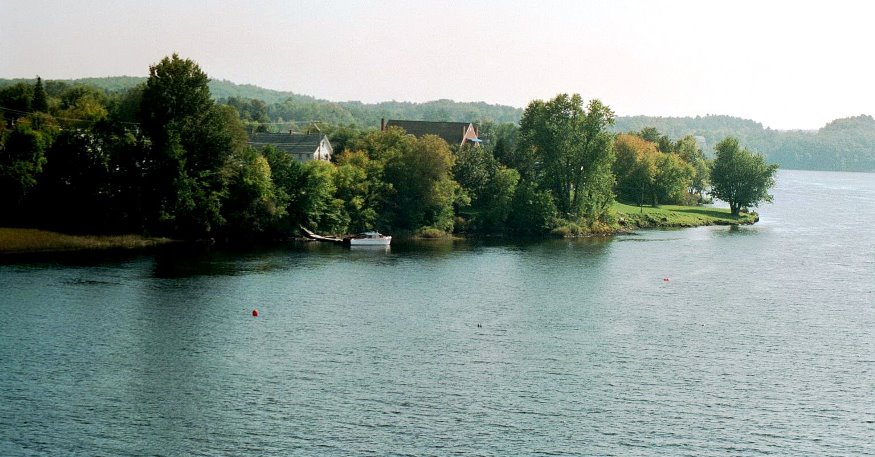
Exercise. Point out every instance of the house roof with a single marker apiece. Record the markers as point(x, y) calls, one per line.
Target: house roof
point(451, 132)
point(293, 143)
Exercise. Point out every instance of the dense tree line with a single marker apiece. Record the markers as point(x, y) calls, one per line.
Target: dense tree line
point(844, 144)
point(651, 169)
point(284, 110)
point(165, 158)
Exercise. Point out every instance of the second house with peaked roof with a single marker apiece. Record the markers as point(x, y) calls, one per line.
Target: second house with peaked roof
point(454, 133)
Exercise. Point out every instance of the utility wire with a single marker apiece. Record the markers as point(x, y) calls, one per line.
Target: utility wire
point(25, 113)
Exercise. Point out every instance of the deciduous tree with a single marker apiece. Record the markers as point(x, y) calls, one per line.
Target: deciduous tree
point(191, 139)
point(570, 151)
point(740, 177)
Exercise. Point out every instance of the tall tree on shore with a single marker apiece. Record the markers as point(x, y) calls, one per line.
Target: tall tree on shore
point(740, 177)
point(192, 139)
point(570, 151)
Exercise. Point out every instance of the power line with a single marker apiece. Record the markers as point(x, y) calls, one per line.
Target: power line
point(25, 113)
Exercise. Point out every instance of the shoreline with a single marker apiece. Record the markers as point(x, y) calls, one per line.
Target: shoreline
point(22, 241)
point(678, 216)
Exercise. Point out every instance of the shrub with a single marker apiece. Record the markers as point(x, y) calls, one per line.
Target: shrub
point(431, 233)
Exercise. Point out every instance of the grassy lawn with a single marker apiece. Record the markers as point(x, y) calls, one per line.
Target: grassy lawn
point(18, 240)
point(679, 216)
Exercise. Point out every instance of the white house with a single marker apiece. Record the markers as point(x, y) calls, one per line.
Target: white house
point(304, 147)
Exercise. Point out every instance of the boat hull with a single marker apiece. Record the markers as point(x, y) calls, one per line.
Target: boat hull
point(370, 241)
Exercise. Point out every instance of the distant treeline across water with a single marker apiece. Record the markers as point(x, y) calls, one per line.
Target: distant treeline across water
point(842, 145)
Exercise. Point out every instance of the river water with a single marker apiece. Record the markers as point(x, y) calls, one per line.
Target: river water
point(708, 341)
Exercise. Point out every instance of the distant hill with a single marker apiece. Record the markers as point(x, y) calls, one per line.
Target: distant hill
point(843, 144)
point(289, 106)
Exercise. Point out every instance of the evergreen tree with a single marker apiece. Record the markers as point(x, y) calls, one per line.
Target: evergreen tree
point(40, 103)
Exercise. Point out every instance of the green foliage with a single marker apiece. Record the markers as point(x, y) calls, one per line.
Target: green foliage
point(501, 139)
point(421, 177)
point(645, 174)
point(160, 156)
point(567, 150)
point(673, 179)
point(175, 96)
point(489, 187)
point(291, 107)
point(361, 187)
point(431, 233)
point(635, 168)
point(17, 97)
point(287, 176)
point(342, 137)
point(250, 110)
point(252, 205)
point(22, 157)
point(316, 200)
point(75, 189)
point(191, 141)
point(844, 144)
point(689, 151)
point(741, 177)
point(124, 107)
point(663, 142)
point(309, 191)
point(532, 210)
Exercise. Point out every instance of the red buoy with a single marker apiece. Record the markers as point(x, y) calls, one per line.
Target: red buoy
point(254, 313)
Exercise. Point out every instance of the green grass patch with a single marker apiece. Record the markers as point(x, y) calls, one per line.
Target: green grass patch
point(678, 216)
point(431, 233)
point(21, 240)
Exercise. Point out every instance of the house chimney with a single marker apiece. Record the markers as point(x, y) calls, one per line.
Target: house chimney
point(383, 124)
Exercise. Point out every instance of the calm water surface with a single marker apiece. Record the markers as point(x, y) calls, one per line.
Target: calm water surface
point(761, 342)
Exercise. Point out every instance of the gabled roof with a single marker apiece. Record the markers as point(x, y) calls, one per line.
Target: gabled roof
point(451, 132)
point(293, 143)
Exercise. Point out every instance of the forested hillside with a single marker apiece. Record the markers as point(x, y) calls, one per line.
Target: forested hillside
point(288, 106)
point(844, 144)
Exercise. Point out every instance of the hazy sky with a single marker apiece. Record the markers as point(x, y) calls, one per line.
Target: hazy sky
point(787, 64)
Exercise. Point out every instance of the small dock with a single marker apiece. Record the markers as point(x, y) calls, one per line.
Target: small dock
point(325, 239)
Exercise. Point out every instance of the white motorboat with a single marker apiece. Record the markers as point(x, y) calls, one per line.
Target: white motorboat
point(369, 239)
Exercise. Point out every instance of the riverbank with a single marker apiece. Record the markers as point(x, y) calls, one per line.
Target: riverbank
point(672, 216)
point(629, 218)
point(23, 241)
